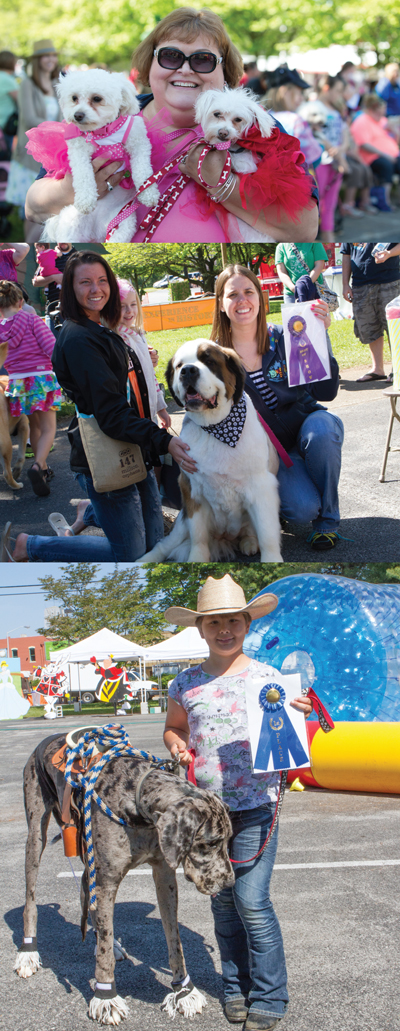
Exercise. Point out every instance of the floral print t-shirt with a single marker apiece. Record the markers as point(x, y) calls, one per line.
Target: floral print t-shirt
point(217, 716)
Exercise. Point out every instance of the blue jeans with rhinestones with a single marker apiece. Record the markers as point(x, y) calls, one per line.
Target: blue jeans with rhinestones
point(246, 926)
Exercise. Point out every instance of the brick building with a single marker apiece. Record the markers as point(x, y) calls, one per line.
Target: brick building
point(31, 651)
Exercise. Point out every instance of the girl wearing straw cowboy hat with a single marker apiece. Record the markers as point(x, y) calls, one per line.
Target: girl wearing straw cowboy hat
point(207, 711)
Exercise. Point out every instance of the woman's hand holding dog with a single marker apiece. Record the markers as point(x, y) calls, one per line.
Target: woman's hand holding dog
point(211, 168)
point(179, 452)
point(48, 196)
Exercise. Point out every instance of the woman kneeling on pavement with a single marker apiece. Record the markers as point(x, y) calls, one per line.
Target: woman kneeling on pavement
point(207, 713)
point(91, 363)
point(313, 437)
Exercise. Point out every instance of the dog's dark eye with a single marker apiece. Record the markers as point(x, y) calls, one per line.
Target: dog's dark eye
point(74, 98)
point(217, 114)
point(238, 120)
point(97, 100)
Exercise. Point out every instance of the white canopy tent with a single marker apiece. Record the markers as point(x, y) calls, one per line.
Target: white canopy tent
point(102, 645)
point(183, 646)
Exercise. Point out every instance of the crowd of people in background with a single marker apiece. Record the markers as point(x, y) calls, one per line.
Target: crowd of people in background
point(348, 125)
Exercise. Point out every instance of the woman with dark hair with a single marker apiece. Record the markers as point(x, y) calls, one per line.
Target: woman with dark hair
point(187, 53)
point(37, 103)
point(313, 437)
point(94, 369)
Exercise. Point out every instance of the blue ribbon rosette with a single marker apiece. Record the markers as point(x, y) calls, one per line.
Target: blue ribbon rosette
point(277, 733)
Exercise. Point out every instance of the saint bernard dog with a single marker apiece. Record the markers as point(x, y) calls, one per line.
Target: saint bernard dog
point(231, 502)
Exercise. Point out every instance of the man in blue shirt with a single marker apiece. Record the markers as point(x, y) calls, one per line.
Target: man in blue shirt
point(375, 282)
point(389, 89)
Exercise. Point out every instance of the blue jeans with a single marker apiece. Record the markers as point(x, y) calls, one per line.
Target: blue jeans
point(246, 926)
point(309, 489)
point(131, 519)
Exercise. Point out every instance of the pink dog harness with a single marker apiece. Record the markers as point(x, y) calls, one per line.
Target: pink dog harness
point(48, 144)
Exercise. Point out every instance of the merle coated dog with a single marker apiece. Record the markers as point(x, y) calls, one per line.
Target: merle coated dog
point(173, 823)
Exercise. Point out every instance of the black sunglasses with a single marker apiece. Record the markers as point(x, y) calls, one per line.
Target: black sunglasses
point(201, 61)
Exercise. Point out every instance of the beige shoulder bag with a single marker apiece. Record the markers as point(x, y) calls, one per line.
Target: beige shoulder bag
point(113, 464)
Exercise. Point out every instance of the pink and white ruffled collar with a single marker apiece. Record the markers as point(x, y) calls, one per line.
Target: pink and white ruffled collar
point(72, 130)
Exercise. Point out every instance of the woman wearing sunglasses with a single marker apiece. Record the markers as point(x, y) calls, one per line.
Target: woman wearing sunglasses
point(188, 52)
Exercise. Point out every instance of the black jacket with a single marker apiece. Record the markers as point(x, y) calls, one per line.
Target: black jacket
point(294, 403)
point(91, 365)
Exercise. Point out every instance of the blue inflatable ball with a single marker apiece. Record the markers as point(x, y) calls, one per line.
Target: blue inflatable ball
point(342, 636)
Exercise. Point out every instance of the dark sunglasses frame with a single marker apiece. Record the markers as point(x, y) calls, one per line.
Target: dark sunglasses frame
point(217, 60)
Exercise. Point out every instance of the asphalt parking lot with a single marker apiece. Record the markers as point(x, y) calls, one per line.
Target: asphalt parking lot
point(335, 888)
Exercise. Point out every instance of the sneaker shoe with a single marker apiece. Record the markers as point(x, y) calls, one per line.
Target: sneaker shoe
point(260, 1022)
point(323, 541)
point(236, 1009)
point(29, 453)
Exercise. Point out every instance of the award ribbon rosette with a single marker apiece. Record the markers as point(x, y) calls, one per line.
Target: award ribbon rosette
point(278, 736)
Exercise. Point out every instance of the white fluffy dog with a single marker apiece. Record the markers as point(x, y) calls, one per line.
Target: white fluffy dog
point(231, 502)
point(92, 100)
point(228, 114)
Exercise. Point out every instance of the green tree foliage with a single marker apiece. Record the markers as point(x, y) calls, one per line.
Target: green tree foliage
point(115, 600)
point(131, 602)
point(145, 263)
point(88, 32)
point(178, 583)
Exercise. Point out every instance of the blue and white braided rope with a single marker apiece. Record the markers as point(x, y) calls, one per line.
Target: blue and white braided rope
point(115, 739)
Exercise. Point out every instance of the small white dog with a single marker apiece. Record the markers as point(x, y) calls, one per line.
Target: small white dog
point(227, 115)
point(103, 108)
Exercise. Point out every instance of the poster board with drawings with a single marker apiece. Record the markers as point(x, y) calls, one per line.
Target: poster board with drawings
point(278, 736)
point(306, 345)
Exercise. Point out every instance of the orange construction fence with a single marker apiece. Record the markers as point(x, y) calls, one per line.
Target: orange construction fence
point(196, 312)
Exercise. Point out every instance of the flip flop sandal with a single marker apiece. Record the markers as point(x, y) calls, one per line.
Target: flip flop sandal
point(39, 481)
point(370, 377)
point(5, 554)
point(59, 524)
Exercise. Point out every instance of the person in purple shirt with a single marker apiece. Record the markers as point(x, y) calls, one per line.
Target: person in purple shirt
point(10, 257)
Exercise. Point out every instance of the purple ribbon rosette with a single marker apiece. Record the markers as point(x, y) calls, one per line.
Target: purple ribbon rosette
point(277, 736)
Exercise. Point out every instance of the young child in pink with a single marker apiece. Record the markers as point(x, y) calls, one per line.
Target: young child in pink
point(32, 387)
point(46, 259)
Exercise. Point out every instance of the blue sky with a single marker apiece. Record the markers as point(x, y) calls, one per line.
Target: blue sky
point(22, 601)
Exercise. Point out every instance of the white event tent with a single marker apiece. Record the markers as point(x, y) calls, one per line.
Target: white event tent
point(183, 646)
point(102, 645)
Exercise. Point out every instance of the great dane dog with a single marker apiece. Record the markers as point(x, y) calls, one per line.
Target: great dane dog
point(173, 822)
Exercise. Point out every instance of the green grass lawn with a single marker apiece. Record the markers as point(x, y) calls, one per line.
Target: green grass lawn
point(347, 349)
point(96, 709)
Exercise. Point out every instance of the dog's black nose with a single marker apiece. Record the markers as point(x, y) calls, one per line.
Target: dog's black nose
point(223, 134)
point(189, 373)
point(79, 116)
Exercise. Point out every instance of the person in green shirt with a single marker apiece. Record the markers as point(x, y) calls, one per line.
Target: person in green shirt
point(290, 267)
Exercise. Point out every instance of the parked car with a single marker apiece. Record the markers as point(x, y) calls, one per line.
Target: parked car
point(161, 283)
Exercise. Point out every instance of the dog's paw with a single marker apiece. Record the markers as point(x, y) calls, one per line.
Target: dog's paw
point(248, 545)
point(85, 204)
point(150, 197)
point(108, 1011)
point(27, 963)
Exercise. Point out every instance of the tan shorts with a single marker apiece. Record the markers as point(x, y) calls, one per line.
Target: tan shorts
point(369, 303)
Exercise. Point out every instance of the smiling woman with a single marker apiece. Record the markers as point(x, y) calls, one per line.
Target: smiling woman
point(188, 53)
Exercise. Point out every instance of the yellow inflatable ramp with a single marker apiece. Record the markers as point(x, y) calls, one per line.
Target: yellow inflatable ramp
point(358, 757)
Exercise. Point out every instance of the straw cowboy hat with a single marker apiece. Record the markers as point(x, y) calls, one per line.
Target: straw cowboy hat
point(218, 597)
point(42, 48)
